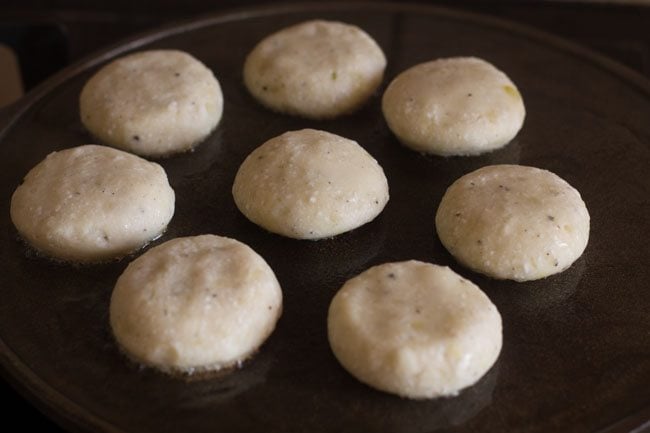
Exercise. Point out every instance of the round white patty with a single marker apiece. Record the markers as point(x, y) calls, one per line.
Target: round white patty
point(92, 203)
point(195, 304)
point(513, 222)
point(454, 106)
point(414, 329)
point(316, 69)
point(152, 103)
point(310, 184)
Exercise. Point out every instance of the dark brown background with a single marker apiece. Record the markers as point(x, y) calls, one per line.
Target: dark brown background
point(619, 30)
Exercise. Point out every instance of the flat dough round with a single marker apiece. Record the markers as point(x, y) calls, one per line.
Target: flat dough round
point(316, 69)
point(310, 184)
point(454, 106)
point(153, 103)
point(513, 222)
point(92, 203)
point(195, 304)
point(414, 329)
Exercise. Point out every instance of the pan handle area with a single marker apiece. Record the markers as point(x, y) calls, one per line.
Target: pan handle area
point(11, 83)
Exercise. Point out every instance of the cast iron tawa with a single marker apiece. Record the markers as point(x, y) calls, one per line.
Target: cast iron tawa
point(576, 351)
